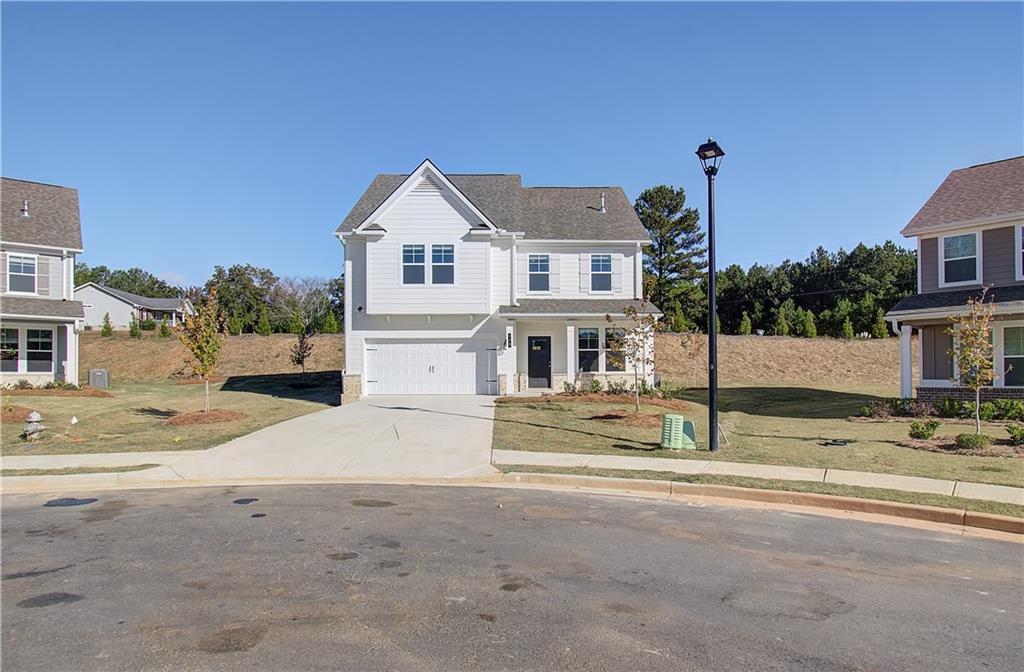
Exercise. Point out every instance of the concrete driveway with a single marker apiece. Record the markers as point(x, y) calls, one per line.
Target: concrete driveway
point(386, 437)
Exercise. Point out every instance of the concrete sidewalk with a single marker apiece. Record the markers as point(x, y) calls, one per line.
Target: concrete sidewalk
point(994, 493)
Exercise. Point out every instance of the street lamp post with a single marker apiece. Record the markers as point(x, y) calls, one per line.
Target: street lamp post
point(710, 155)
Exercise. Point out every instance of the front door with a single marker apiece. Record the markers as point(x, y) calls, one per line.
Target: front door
point(539, 362)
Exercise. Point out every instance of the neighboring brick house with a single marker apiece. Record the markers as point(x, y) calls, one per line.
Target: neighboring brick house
point(40, 235)
point(969, 236)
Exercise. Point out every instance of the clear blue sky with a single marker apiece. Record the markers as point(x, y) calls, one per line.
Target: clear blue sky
point(213, 134)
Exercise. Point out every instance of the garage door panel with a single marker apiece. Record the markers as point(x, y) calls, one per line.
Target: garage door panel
point(430, 367)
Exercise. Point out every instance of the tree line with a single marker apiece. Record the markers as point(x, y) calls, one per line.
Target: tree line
point(841, 294)
point(250, 299)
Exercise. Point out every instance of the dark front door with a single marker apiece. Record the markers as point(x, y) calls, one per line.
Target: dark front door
point(539, 362)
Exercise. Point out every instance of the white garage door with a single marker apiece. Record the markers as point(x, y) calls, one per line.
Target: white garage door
point(430, 367)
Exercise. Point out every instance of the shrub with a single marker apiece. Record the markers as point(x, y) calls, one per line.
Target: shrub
point(165, 329)
point(879, 329)
point(234, 325)
point(570, 388)
point(876, 409)
point(330, 325)
point(59, 385)
point(23, 384)
point(972, 441)
point(148, 324)
point(133, 329)
point(1009, 409)
point(1016, 433)
point(107, 329)
point(923, 430)
point(810, 328)
point(847, 329)
point(668, 391)
point(745, 326)
point(263, 327)
point(948, 407)
point(618, 386)
point(595, 387)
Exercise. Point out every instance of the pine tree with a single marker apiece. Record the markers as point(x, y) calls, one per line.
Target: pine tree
point(810, 328)
point(330, 325)
point(781, 327)
point(165, 329)
point(745, 326)
point(847, 328)
point(134, 330)
point(263, 327)
point(302, 349)
point(879, 329)
point(108, 328)
point(234, 325)
point(296, 326)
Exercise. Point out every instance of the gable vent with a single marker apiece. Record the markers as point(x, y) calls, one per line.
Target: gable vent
point(427, 185)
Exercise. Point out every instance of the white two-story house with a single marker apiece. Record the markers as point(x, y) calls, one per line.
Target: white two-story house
point(970, 236)
point(40, 235)
point(475, 284)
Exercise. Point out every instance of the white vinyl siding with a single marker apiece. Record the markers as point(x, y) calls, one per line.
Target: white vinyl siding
point(571, 270)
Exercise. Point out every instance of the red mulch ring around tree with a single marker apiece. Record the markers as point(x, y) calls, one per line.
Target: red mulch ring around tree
point(200, 418)
point(15, 414)
point(946, 445)
point(672, 404)
point(630, 419)
point(56, 392)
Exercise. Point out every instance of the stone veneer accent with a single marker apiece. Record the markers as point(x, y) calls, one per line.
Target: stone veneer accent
point(351, 388)
point(936, 393)
point(502, 384)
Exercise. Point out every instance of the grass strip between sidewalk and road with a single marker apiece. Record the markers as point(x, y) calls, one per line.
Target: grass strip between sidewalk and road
point(881, 494)
point(71, 471)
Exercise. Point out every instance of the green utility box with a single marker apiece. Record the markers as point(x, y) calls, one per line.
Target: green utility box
point(674, 434)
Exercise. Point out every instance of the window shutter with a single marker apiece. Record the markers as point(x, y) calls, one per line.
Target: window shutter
point(522, 277)
point(3, 272)
point(617, 273)
point(584, 273)
point(43, 276)
point(555, 277)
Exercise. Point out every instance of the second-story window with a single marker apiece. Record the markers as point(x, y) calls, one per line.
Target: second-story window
point(414, 270)
point(540, 280)
point(600, 272)
point(960, 259)
point(21, 274)
point(442, 264)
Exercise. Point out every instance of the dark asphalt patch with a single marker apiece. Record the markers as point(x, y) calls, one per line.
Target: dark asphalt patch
point(36, 572)
point(258, 515)
point(388, 564)
point(70, 501)
point(786, 602)
point(232, 638)
point(246, 500)
point(347, 555)
point(105, 511)
point(516, 583)
point(49, 599)
point(373, 503)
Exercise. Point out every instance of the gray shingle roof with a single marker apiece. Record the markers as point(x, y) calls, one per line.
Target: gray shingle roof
point(542, 213)
point(976, 193)
point(144, 301)
point(613, 307)
point(956, 298)
point(22, 305)
point(53, 218)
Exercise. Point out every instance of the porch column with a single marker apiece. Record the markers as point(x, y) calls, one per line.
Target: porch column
point(906, 363)
point(570, 360)
point(71, 355)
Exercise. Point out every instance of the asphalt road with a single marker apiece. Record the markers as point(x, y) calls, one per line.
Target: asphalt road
point(430, 578)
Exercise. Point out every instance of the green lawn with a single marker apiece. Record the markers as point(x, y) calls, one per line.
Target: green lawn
point(133, 419)
point(766, 425)
point(882, 494)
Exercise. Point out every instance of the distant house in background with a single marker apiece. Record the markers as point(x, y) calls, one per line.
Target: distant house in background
point(970, 235)
point(122, 306)
point(40, 234)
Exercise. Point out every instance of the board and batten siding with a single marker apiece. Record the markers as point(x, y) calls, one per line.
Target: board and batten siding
point(998, 260)
point(936, 361)
point(427, 215)
point(49, 273)
point(570, 270)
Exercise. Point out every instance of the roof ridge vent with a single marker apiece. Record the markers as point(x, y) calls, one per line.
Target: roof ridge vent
point(24, 208)
point(603, 209)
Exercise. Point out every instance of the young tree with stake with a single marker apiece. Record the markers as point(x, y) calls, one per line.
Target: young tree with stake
point(202, 338)
point(636, 342)
point(972, 348)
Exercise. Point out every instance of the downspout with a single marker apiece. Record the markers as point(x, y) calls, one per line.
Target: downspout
point(513, 290)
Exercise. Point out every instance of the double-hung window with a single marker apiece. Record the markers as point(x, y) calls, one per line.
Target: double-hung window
point(600, 272)
point(39, 350)
point(442, 264)
point(1013, 356)
point(539, 268)
point(589, 349)
point(21, 274)
point(614, 349)
point(414, 271)
point(960, 259)
point(8, 350)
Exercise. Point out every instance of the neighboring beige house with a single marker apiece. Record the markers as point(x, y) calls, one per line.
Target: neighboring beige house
point(475, 284)
point(40, 235)
point(969, 236)
point(99, 300)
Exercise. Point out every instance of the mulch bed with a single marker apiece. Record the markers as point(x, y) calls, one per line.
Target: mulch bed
point(15, 414)
point(947, 446)
point(200, 418)
point(630, 419)
point(42, 392)
point(672, 404)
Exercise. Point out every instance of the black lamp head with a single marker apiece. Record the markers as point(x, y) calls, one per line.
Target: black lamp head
point(710, 155)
